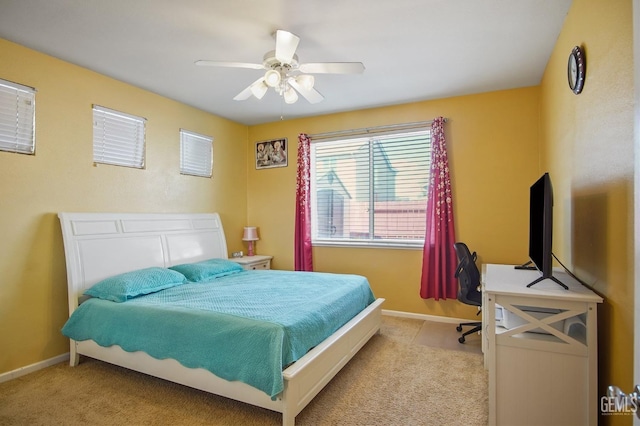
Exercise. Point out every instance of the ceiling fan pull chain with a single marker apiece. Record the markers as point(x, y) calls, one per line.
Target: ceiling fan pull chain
point(281, 108)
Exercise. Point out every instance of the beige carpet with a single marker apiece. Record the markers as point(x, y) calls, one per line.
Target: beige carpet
point(396, 379)
point(443, 335)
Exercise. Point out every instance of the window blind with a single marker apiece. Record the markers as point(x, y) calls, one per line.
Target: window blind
point(372, 190)
point(118, 138)
point(17, 118)
point(196, 154)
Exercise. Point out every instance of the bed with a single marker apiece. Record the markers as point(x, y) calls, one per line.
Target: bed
point(103, 245)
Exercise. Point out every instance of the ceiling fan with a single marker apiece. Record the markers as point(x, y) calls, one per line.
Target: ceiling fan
point(285, 74)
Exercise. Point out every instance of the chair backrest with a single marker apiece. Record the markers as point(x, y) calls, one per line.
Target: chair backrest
point(468, 276)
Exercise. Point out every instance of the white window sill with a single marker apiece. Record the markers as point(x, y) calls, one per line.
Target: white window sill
point(413, 245)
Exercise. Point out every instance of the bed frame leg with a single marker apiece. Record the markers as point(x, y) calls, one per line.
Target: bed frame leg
point(74, 356)
point(288, 420)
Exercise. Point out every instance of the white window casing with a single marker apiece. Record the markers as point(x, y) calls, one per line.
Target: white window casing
point(118, 138)
point(196, 154)
point(17, 118)
point(371, 191)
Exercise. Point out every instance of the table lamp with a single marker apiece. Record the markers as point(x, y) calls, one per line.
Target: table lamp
point(250, 235)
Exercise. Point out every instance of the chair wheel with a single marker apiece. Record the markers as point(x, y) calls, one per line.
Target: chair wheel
point(459, 328)
point(461, 339)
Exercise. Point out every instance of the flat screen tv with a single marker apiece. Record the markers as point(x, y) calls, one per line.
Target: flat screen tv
point(541, 228)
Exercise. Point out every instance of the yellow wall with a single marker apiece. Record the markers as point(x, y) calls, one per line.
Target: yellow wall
point(494, 157)
point(61, 177)
point(587, 145)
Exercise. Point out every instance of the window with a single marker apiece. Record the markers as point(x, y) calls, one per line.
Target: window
point(118, 138)
point(196, 154)
point(17, 118)
point(371, 191)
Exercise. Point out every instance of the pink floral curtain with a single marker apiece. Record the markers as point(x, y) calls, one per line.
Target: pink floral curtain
point(439, 257)
point(302, 246)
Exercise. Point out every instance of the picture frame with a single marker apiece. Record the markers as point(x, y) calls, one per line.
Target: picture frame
point(271, 153)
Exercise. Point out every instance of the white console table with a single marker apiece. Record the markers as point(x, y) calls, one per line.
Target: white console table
point(543, 367)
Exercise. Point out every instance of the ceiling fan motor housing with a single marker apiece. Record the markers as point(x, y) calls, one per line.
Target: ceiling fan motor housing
point(269, 61)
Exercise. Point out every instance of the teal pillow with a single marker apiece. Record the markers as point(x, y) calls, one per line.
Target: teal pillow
point(122, 287)
point(207, 269)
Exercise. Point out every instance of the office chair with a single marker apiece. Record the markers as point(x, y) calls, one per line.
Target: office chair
point(469, 289)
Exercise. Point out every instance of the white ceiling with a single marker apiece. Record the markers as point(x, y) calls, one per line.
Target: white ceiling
point(413, 50)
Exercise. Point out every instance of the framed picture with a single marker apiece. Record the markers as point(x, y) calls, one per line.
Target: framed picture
point(271, 153)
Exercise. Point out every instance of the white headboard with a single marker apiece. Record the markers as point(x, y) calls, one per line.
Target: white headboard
point(99, 245)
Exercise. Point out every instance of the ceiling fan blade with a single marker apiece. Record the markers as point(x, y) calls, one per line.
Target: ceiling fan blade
point(332, 68)
point(206, 63)
point(286, 45)
point(311, 95)
point(246, 93)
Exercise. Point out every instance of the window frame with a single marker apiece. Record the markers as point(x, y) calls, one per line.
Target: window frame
point(117, 147)
point(203, 168)
point(21, 132)
point(413, 244)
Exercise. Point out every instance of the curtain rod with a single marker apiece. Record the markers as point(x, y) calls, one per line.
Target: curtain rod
point(372, 130)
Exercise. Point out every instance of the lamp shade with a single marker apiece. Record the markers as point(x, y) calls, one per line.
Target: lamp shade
point(258, 89)
point(250, 234)
point(290, 96)
point(306, 81)
point(272, 78)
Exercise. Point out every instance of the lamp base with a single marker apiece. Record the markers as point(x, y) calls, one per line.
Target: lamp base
point(250, 251)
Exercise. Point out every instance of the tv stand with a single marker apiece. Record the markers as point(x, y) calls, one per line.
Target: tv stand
point(557, 281)
point(543, 363)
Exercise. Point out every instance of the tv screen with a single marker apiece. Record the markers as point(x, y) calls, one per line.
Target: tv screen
point(541, 228)
point(541, 224)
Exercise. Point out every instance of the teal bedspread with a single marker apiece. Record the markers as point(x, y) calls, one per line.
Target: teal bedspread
point(247, 326)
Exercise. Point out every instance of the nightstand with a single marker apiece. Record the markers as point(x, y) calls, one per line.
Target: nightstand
point(253, 262)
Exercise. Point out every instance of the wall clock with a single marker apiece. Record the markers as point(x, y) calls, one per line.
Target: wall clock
point(576, 70)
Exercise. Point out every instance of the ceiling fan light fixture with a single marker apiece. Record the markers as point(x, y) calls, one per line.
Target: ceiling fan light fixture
point(306, 81)
point(258, 89)
point(272, 78)
point(290, 96)
point(282, 71)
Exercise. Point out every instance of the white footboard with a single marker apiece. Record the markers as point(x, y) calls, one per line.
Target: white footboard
point(304, 379)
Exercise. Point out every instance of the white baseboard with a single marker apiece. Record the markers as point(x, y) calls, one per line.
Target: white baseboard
point(424, 317)
point(9, 375)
